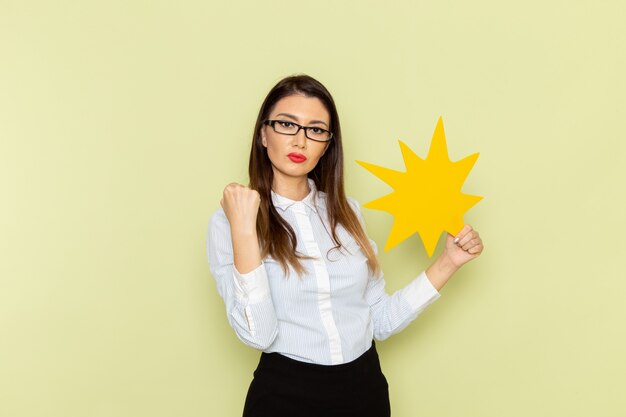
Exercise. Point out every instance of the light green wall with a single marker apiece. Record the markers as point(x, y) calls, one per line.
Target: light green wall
point(121, 122)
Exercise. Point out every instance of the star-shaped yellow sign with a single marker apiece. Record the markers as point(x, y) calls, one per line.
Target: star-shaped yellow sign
point(427, 197)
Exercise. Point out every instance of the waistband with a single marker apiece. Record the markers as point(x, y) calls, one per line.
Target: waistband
point(275, 359)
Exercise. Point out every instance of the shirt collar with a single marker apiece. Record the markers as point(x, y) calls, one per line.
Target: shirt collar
point(310, 200)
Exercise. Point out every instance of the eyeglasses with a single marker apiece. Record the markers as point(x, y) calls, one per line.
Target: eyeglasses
point(290, 128)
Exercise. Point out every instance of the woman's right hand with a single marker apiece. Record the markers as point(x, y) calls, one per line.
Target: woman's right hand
point(241, 205)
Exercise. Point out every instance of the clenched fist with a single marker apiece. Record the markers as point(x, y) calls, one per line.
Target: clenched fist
point(466, 246)
point(241, 205)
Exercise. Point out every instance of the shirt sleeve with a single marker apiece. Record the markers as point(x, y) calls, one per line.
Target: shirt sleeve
point(392, 313)
point(247, 297)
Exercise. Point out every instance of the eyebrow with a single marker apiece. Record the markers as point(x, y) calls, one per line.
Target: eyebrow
point(291, 116)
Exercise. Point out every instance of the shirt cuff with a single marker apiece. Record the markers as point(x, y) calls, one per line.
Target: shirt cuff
point(420, 292)
point(252, 286)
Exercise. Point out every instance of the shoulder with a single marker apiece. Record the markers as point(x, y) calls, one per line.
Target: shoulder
point(218, 216)
point(218, 223)
point(218, 235)
point(218, 246)
point(356, 206)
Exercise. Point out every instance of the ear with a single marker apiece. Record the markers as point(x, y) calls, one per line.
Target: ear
point(263, 137)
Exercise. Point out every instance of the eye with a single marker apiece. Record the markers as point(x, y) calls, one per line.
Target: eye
point(317, 130)
point(285, 124)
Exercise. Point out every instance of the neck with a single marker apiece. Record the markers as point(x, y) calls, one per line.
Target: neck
point(294, 188)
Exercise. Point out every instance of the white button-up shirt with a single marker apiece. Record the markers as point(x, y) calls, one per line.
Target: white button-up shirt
point(328, 315)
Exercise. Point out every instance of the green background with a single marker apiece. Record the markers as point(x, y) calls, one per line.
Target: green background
point(122, 121)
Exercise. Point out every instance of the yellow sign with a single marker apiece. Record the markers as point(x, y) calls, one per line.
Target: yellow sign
point(427, 198)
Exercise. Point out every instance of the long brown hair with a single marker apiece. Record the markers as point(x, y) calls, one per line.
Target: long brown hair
point(276, 235)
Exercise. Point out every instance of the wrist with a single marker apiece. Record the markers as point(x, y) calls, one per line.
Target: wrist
point(447, 264)
point(244, 231)
point(440, 271)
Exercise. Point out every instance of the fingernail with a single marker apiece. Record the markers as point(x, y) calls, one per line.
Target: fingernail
point(456, 240)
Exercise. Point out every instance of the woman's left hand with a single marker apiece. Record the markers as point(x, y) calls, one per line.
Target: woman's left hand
point(466, 246)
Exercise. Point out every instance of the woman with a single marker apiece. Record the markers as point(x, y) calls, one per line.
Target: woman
point(298, 274)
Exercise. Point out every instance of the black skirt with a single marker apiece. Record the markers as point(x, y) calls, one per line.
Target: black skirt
point(286, 387)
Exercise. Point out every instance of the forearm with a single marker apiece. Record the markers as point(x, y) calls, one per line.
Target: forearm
point(246, 252)
point(246, 295)
point(392, 313)
point(440, 271)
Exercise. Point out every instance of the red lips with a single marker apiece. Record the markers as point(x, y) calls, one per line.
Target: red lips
point(296, 157)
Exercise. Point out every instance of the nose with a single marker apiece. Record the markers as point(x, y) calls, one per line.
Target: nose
point(300, 139)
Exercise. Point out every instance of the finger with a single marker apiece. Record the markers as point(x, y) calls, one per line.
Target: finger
point(465, 239)
point(232, 186)
point(475, 250)
point(470, 244)
point(466, 229)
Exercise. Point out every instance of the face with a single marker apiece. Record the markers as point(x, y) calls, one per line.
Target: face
point(295, 156)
